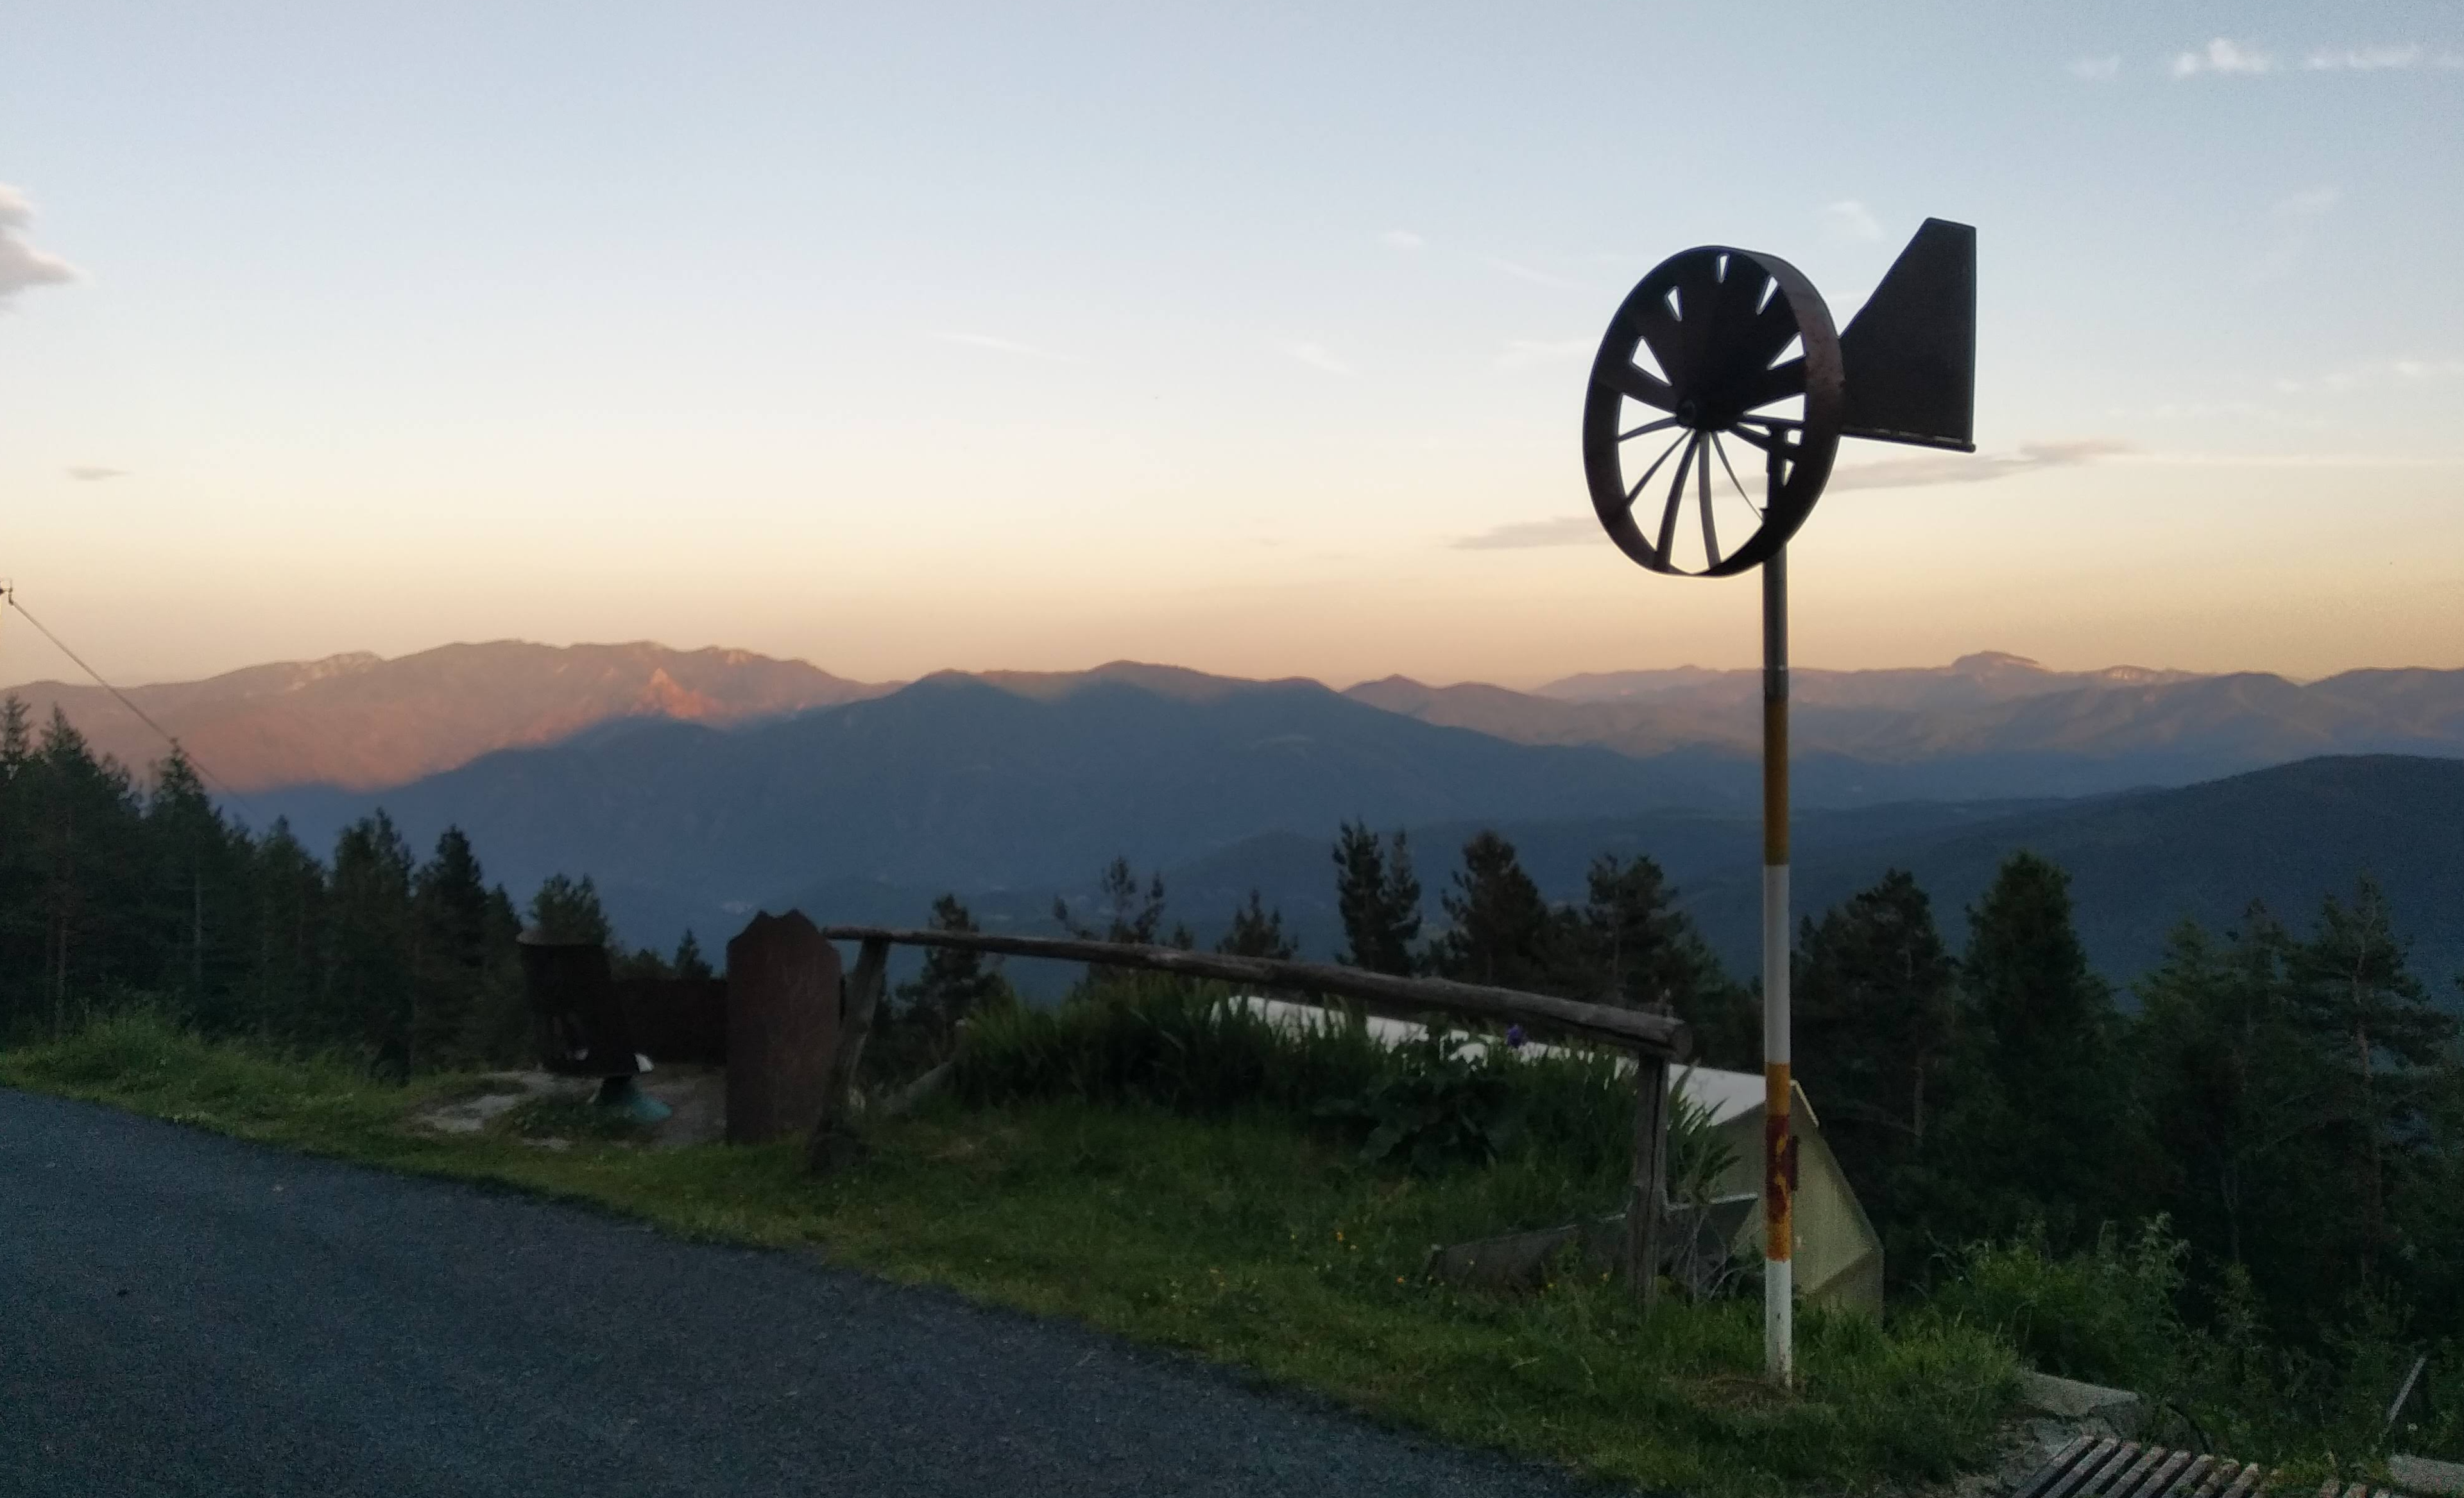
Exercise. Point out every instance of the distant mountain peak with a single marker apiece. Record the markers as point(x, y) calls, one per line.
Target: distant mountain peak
point(1982, 662)
point(362, 721)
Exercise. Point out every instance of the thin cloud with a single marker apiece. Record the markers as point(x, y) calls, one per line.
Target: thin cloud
point(2096, 70)
point(21, 264)
point(1909, 473)
point(2362, 59)
point(1851, 220)
point(1973, 468)
point(1402, 239)
point(1317, 356)
point(1566, 530)
point(1524, 352)
point(2363, 376)
point(1537, 277)
point(1001, 345)
point(2223, 54)
point(89, 474)
point(2308, 203)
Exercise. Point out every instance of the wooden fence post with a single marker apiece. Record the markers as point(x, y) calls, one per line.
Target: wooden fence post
point(834, 1142)
point(1645, 1206)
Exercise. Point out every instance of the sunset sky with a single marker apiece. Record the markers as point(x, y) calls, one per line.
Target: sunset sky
point(1250, 338)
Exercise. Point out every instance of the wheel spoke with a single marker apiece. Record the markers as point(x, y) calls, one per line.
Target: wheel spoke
point(1656, 425)
point(1770, 331)
point(1732, 477)
point(1676, 498)
point(1754, 439)
point(1776, 383)
point(1630, 493)
point(1703, 498)
point(1631, 379)
point(1774, 421)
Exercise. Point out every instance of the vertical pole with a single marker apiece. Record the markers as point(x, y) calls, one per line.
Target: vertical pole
point(1779, 1152)
point(1644, 1204)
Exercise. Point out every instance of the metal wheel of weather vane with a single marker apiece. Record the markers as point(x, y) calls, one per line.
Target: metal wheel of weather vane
point(1716, 405)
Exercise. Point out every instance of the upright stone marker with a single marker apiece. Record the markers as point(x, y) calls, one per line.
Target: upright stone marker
point(782, 1027)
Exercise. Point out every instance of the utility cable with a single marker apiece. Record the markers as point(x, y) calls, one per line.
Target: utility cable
point(8, 596)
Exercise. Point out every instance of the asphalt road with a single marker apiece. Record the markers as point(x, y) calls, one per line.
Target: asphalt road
point(184, 1314)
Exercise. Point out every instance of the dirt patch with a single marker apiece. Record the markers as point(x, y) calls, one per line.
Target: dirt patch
point(696, 1097)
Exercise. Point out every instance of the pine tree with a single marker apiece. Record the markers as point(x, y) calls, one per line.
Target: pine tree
point(955, 981)
point(2045, 1129)
point(1130, 918)
point(450, 934)
point(1874, 1014)
point(371, 955)
point(196, 897)
point(689, 961)
point(2247, 1105)
point(288, 975)
point(1499, 930)
point(1875, 1031)
point(1378, 897)
point(2353, 986)
point(567, 910)
point(21, 876)
point(1631, 945)
point(86, 837)
point(1256, 932)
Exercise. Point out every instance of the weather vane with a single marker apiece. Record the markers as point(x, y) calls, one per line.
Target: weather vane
point(1719, 345)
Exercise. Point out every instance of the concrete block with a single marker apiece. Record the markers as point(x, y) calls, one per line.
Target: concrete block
point(2422, 1475)
point(2069, 1399)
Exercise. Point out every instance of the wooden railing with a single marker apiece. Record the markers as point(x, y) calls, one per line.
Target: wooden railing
point(1656, 1040)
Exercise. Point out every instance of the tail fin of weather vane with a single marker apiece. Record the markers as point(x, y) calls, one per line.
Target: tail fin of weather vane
point(1909, 358)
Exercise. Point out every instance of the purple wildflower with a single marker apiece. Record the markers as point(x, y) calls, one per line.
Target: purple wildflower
point(1514, 1037)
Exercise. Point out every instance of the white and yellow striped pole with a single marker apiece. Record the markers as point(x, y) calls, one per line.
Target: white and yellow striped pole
point(1780, 1143)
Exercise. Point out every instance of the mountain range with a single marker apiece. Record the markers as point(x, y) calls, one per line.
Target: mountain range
point(363, 721)
point(697, 786)
point(2130, 725)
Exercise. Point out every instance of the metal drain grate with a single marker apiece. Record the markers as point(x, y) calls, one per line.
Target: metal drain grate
point(2108, 1468)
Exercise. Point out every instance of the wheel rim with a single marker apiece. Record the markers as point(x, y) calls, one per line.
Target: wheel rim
point(1717, 356)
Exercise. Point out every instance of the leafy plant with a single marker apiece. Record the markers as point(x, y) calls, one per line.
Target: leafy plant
point(1435, 1107)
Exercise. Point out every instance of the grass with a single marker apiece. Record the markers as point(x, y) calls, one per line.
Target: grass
point(1244, 1237)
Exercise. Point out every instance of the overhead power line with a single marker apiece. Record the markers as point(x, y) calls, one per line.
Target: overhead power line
point(9, 597)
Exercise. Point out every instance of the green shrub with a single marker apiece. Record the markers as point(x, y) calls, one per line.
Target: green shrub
point(1146, 1039)
point(2106, 1315)
point(1435, 1107)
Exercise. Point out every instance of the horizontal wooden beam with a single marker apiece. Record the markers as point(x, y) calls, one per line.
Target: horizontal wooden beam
point(1631, 1029)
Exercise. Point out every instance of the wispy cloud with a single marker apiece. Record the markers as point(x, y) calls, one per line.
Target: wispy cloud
point(2223, 54)
point(1521, 352)
point(1973, 468)
point(1536, 276)
point(2096, 70)
point(1001, 345)
point(1909, 473)
point(2308, 203)
point(2373, 373)
point(2362, 59)
point(1850, 221)
point(88, 472)
point(1402, 239)
point(21, 264)
point(1565, 530)
point(1317, 356)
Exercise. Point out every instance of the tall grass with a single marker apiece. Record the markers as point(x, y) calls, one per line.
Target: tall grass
point(1188, 1049)
point(2113, 1315)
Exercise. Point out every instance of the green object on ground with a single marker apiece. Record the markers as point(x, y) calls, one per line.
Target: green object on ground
point(622, 1096)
